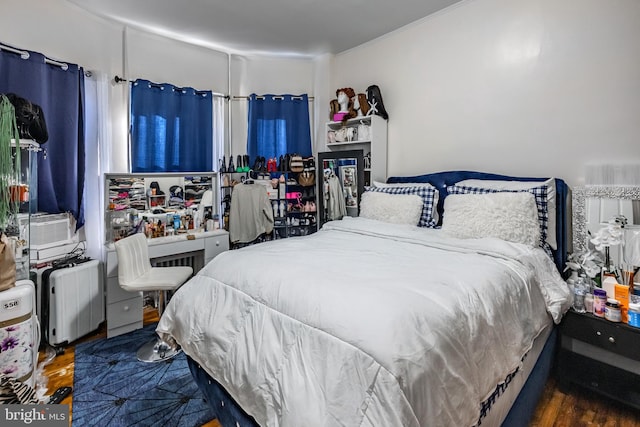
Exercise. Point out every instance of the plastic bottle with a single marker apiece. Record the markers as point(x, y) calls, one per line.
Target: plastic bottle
point(634, 315)
point(578, 295)
point(588, 303)
point(612, 310)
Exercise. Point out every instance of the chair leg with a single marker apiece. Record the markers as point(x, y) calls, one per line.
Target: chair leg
point(158, 349)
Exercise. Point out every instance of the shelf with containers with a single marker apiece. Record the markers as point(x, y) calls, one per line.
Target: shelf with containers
point(159, 199)
point(23, 203)
point(366, 133)
point(293, 204)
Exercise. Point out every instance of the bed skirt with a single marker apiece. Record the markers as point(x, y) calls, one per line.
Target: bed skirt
point(230, 414)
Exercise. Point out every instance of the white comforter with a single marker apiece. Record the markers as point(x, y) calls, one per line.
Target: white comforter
point(366, 324)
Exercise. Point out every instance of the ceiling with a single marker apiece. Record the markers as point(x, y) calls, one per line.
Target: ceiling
point(288, 27)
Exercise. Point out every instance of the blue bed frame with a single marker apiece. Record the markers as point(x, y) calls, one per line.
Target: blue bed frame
point(230, 414)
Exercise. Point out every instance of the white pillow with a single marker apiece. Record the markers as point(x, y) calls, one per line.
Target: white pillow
point(525, 185)
point(507, 216)
point(393, 208)
point(436, 195)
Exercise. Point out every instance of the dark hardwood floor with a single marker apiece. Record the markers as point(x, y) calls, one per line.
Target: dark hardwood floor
point(558, 406)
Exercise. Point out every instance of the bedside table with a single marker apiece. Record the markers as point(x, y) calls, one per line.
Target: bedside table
point(600, 355)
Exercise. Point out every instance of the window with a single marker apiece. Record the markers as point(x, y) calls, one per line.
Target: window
point(278, 125)
point(171, 128)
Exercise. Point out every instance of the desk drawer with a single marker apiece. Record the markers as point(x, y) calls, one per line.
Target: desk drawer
point(124, 312)
point(615, 337)
point(115, 293)
point(214, 246)
point(112, 264)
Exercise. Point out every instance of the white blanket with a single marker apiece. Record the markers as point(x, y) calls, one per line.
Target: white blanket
point(366, 324)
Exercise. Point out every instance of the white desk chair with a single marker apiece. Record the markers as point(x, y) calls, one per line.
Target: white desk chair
point(135, 274)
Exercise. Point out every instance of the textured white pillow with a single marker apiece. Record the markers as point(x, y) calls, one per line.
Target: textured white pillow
point(507, 216)
point(524, 185)
point(436, 196)
point(393, 208)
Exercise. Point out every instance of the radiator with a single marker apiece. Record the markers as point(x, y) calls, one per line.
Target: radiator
point(193, 259)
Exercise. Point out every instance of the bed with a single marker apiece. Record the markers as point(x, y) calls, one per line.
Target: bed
point(374, 323)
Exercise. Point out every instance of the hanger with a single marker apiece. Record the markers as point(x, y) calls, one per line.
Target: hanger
point(247, 179)
point(328, 173)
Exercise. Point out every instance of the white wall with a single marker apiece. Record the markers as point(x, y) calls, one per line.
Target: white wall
point(265, 75)
point(522, 87)
point(510, 86)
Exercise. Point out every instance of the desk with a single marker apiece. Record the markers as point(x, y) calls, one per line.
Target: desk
point(124, 309)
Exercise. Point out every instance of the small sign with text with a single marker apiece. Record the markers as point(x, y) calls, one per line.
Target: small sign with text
point(34, 415)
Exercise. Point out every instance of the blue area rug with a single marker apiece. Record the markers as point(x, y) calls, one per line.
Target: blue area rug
point(112, 388)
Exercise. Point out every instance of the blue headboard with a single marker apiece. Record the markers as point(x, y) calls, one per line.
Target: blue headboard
point(442, 179)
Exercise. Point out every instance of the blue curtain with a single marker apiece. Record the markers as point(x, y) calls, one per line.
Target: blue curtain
point(60, 95)
point(278, 125)
point(171, 128)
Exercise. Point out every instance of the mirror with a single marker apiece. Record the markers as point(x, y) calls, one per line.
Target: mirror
point(594, 205)
point(171, 203)
point(342, 184)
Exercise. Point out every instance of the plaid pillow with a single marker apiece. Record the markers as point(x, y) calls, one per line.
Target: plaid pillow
point(426, 193)
point(540, 194)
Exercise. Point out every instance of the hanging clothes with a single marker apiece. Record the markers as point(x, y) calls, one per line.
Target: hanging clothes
point(250, 214)
point(336, 208)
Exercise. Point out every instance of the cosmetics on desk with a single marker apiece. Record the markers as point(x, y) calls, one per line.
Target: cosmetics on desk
point(599, 302)
point(634, 315)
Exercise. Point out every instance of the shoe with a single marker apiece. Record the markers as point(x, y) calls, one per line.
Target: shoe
point(246, 163)
point(274, 205)
point(239, 164)
point(256, 164)
point(225, 181)
point(285, 166)
point(283, 209)
point(223, 167)
point(280, 164)
point(374, 97)
point(231, 168)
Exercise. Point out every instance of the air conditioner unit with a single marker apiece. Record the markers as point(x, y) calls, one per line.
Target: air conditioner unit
point(48, 230)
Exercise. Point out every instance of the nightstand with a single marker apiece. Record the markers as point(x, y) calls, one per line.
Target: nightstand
point(600, 355)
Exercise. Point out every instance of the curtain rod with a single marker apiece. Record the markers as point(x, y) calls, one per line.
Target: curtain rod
point(25, 55)
point(119, 79)
point(239, 97)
